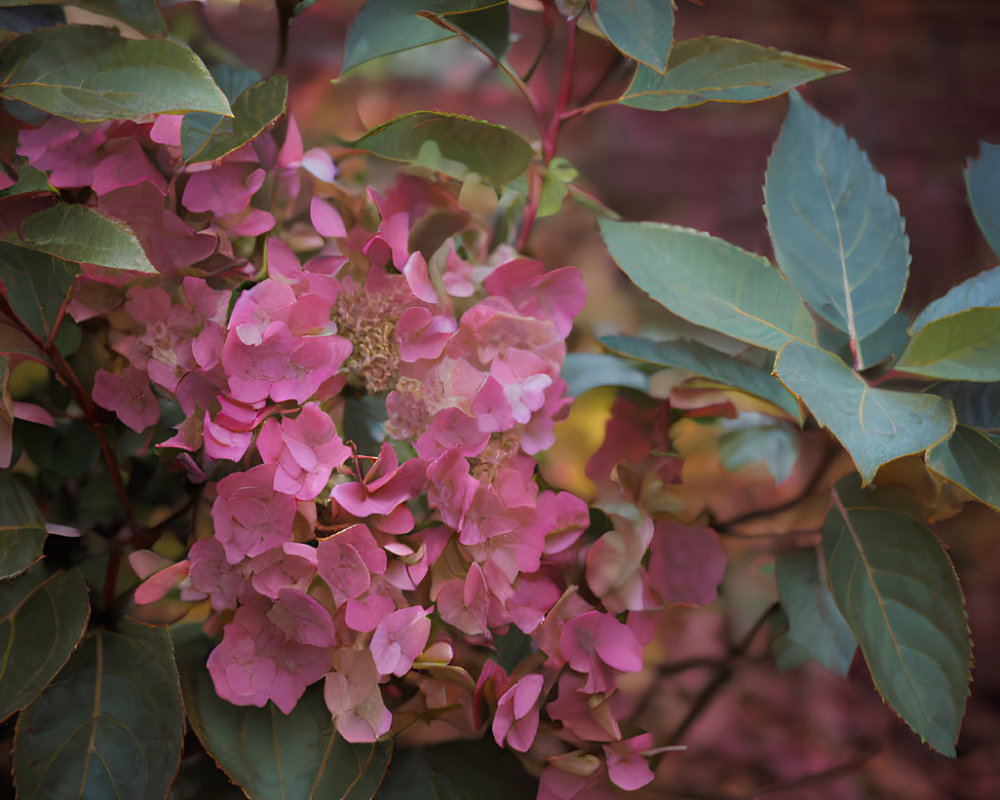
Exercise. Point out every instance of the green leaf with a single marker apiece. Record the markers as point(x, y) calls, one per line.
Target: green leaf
point(838, 235)
point(143, 15)
point(383, 27)
point(22, 529)
point(30, 180)
point(971, 459)
point(585, 371)
point(43, 615)
point(267, 753)
point(109, 726)
point(469, 770)
point(206, 137)
point(452, 144)
point(558, 175)
point(512, 648)
point(979, 291)
point(899, 593)
point(976, 404)
point(874, 425)
point(709, 282)
point(79, 233)
point(752, 438)
point(711, 68)
point(709, 363)
point(963, 346)
point(641, 29)
point(814, 621)
point(89, 74)
point(982, 180)
point(37, 285)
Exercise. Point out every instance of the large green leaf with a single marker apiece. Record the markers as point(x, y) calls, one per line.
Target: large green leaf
point(382, 27)
point(838, 235)
point(22, 529)
point(37, 285)
point(78, 233)
point(89, 73)
point(709, 363)
point(874, 425)
point(143, 15)
point(982, 179)
point(43, 615)
point(269, 754)
point(814, 621)
point(206, 137)
point(474, 770)
point(971, 459)
point(709, 282)
point(109, 726)
point(641, 29)
point(964, 346)
point(712, 68)
point(900, 595)
point(452, 144)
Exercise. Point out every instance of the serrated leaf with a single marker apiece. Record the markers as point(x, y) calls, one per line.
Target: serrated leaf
point(971, 459)
point(585, 371)
point(979, 291)
point(982, 180)
point(36, 284)
point(899, 593)
point(109, 726)
point(43, 615)
point(814, 621)
point(716, 69)
point(269, 754)
point(964, 346)
point(470, 770)
point(449, 143)
point(383, 27)
point(755, 438)
point(78, 233)
point(88, 74)
point(22, 529)
point(709, 363)
point(838, 235)
point(641, 29)
point(874, 425)
point(709, 282)
point(206, 137)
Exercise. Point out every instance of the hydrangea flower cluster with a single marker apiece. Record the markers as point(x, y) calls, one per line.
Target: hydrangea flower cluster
point(274, 306)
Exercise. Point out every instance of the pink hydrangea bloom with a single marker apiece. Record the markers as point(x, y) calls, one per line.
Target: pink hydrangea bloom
point(250, 517)
point(129, 395)
point(305, 449)
point(597, 644)
point(386, 485)
point(516, 720)
point(354, 699)
point(627, 767)
point(399, 639)
point(258, 660)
